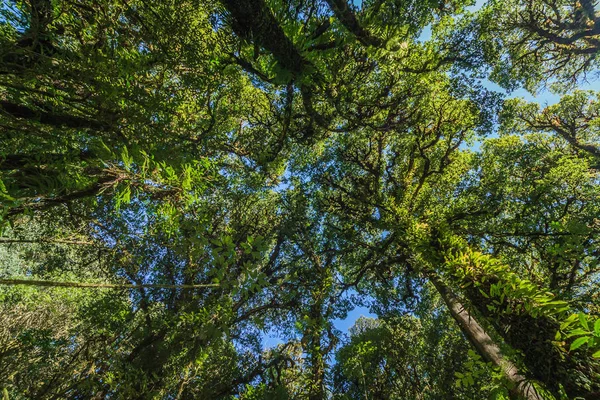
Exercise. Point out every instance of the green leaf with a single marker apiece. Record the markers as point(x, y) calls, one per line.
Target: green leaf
point(596, 354)
point(597, 327)
point(470, 380)
point(577, 332)
point(583, 320)
point(579, 342)
point(568, 321)
point(126, 195)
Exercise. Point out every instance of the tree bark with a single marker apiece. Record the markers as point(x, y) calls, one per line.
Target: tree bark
point(344, 14)
point(484, 344)
point(49, 118)
point(34, 282)
point(254, 21)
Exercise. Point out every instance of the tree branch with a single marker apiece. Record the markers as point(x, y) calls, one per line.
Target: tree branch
point(35, 282)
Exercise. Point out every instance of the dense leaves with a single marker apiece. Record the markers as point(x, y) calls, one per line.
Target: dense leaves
point(183, 181)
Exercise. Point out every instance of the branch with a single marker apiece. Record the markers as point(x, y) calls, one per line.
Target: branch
point(46, 202)
point(343, 12)
point(41, 240)
point(48, 118)
point(34, 282)
point(254, 21)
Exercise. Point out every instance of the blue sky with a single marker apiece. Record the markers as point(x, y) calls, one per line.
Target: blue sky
point(271, 339)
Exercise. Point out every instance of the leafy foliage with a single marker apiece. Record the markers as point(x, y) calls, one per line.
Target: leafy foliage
point(180, 180)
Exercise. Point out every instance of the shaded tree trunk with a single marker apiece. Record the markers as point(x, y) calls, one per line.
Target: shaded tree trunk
point(482, 341)
point(316, 360)
point(534, 337)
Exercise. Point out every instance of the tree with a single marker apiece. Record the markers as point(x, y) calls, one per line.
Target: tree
point(404, 357)
point(178, 178)
point(542, 41)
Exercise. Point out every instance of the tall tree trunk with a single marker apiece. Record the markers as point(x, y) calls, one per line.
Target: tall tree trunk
point(483, 342)
point(313, 347)
point(519, 329)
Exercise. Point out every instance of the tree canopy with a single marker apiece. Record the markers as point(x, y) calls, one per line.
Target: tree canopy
point(180, 179)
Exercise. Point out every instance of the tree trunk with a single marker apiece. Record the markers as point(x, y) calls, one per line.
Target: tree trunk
point(483, 342)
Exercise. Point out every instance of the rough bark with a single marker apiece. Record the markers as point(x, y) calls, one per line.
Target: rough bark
point(482, 341)
point(534, 337)
point(315, 356)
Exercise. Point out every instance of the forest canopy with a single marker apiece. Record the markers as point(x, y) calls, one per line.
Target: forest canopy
point(181, 179)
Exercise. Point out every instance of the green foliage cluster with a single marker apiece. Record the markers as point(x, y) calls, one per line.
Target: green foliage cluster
point(180, 180)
